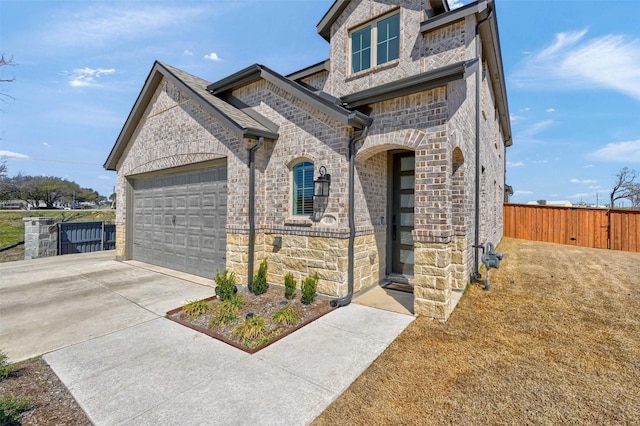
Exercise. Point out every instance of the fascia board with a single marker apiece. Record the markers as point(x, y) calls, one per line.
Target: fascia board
point(340, 114)
point(144, 97)
point(243, 77)
point(324, 26)
point(452, 16)
point(313, 69)
point(497, 75)
point(424, 81)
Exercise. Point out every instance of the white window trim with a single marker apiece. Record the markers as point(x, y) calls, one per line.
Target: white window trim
point(374, 42)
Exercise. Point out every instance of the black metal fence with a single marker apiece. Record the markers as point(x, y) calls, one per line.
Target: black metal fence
point(85, 237)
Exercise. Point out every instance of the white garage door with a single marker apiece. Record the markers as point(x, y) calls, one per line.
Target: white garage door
point(180, 221)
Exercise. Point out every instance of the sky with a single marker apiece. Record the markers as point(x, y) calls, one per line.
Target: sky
point(572, 71)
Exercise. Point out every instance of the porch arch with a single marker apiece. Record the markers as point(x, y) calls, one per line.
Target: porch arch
point(376, 143)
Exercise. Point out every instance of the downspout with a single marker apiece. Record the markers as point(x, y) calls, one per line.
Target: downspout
point(476, 242)
point(344, 301)
point(252, 209)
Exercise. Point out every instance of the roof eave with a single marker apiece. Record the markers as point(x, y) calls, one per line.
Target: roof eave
point(257, 71)
point(324, 26)
point(158, 72)
point(243, 77)
point(452, 16)
point(497, 73)
point(148, 89)
point(310, 70)
point(405, 86)
point(483, 9)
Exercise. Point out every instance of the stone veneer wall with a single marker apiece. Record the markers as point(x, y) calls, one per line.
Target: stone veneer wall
point(433, 279)
point(304, 255)
point(40, 237)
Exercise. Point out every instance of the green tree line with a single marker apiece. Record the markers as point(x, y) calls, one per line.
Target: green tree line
point(48, 190)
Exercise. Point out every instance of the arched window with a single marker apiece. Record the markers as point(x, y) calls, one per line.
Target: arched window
point(303, 189)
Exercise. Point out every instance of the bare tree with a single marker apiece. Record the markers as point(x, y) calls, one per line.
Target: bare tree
point(635, 195)
point(625, 186)
point(4, 61)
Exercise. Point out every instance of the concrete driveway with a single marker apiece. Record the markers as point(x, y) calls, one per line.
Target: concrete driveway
point(100, 324)
point(49, 303)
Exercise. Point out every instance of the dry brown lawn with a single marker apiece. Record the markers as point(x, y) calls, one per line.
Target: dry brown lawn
point(555, 341)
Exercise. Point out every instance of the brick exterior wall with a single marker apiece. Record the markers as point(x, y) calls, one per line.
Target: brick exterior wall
point(437, 124)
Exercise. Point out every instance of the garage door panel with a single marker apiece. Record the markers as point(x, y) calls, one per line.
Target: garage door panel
point(180, 221)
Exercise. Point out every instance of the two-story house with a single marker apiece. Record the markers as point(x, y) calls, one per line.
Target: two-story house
point(384, 163)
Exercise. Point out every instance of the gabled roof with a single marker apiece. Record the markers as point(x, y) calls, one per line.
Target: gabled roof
point(338, 6)
point(237, 121)
point(256, 72)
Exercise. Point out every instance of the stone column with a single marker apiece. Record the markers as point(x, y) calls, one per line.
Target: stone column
point(40, 237)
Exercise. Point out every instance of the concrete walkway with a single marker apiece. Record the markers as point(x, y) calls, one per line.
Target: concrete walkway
point(101, 325)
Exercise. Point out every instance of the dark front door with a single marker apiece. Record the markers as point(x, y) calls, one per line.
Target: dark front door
point(404, 166)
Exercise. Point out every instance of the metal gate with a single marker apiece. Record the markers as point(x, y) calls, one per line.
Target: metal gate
point(85, 237)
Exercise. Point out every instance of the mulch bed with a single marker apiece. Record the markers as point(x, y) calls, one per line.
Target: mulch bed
point(264, 305)
point(51, 401)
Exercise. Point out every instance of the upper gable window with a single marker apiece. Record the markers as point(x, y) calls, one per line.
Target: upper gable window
point(386, 46)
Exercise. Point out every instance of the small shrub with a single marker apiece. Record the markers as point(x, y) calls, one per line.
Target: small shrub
point(11, 408)
point(290, 285)
point(286, 316)
point(226, 285)
point(260, 285)
point(308, 288)
point(236, 300)
point(226, 313)
point(5, 367)
point(251, 329)
point(193, 310)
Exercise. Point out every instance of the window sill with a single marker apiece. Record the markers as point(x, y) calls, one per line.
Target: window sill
point(387, 65)
point(302, 221)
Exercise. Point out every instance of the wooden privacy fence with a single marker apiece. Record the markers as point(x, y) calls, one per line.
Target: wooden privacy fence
point(587, 227)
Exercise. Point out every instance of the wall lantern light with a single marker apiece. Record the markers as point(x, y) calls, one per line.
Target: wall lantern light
point(321, 185)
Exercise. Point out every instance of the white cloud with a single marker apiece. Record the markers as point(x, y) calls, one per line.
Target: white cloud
point(582, 181)
point(86, 77)
point(522, 192)
point(213, 57)
point(11, 154)
point(188, 52)
point(105, 177)
point(551, 110)
point(575, 61)
point(587, 166)
point(46, 144)
point(529, 134)
point(540, 161)
point(628, 152)
point(515, 164)
point(105, 23)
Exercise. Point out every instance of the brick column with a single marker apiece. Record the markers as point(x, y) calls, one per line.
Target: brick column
point(433, 233)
